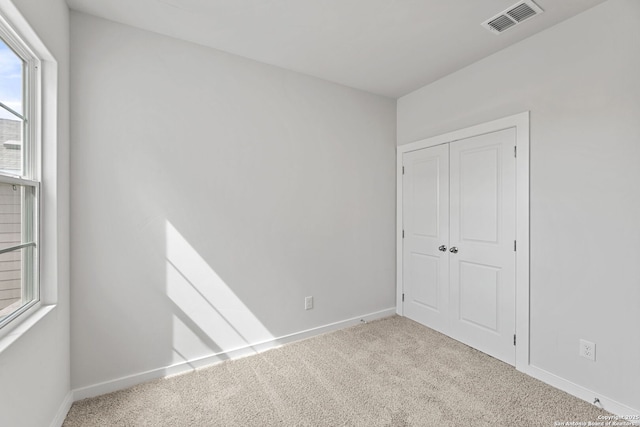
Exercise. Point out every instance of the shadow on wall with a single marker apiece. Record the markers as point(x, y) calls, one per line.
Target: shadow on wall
point(207, 315)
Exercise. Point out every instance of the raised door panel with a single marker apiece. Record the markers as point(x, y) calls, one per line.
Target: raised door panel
point(479, 295)
point(424, 274)
point(479, 187)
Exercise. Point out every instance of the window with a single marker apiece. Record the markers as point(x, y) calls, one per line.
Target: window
point(19, 177)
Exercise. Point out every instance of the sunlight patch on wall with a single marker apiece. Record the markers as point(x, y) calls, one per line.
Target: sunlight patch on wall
point(207, 313)
point(187, 345)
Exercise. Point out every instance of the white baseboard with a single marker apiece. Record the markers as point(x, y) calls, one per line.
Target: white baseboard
point(606, 403)
point(63, 410)
point(191, 365)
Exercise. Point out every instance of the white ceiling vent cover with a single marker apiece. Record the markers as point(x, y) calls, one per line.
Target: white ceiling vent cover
point(512, 16)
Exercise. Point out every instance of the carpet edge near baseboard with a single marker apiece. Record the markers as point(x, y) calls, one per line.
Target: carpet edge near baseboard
point(213, 359)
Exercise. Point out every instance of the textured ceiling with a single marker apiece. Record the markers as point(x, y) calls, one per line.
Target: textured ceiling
point(388, 47)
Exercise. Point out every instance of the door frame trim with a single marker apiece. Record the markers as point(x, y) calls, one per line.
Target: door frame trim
point(521, 123)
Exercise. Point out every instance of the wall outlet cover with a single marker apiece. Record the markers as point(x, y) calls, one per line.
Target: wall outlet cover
point(588, 350)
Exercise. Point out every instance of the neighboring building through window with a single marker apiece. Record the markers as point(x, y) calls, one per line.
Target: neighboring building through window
point(19, 177)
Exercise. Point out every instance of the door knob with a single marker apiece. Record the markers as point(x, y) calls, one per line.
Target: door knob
point(453, 250)
point(442, 248)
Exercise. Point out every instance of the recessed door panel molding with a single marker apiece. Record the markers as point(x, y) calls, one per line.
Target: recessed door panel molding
point(463, 209)
point(424, 210)
point(479, 297)
point(479, 190)
point(424, 270)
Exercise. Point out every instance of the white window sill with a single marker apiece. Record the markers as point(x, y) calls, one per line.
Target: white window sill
point(24, 326)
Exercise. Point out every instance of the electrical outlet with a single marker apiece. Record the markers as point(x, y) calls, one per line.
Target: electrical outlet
point(588, 350)
point(308, 303)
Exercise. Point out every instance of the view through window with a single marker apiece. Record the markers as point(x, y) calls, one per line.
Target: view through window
point(18, 184)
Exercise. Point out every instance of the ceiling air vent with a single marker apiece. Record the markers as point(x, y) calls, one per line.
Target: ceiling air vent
point(511, 17)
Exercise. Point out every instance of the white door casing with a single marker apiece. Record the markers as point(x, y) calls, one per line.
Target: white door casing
point(478, 272)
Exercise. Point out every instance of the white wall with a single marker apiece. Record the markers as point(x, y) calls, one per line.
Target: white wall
point(34, 368)
point(210, 195)
point(579, 79)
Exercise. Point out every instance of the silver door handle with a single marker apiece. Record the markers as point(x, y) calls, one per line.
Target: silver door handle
point(442, 248)
point(453, 250)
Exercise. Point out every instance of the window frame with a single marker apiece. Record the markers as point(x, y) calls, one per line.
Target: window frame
point(31, 171)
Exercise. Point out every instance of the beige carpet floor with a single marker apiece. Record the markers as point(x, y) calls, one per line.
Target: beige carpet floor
point(390, 372)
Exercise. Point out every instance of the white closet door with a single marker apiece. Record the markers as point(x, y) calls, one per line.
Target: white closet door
point(426, 229)
point(482, 271)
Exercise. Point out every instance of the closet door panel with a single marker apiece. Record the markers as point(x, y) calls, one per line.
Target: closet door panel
point(482, 221)
point(426, 229)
